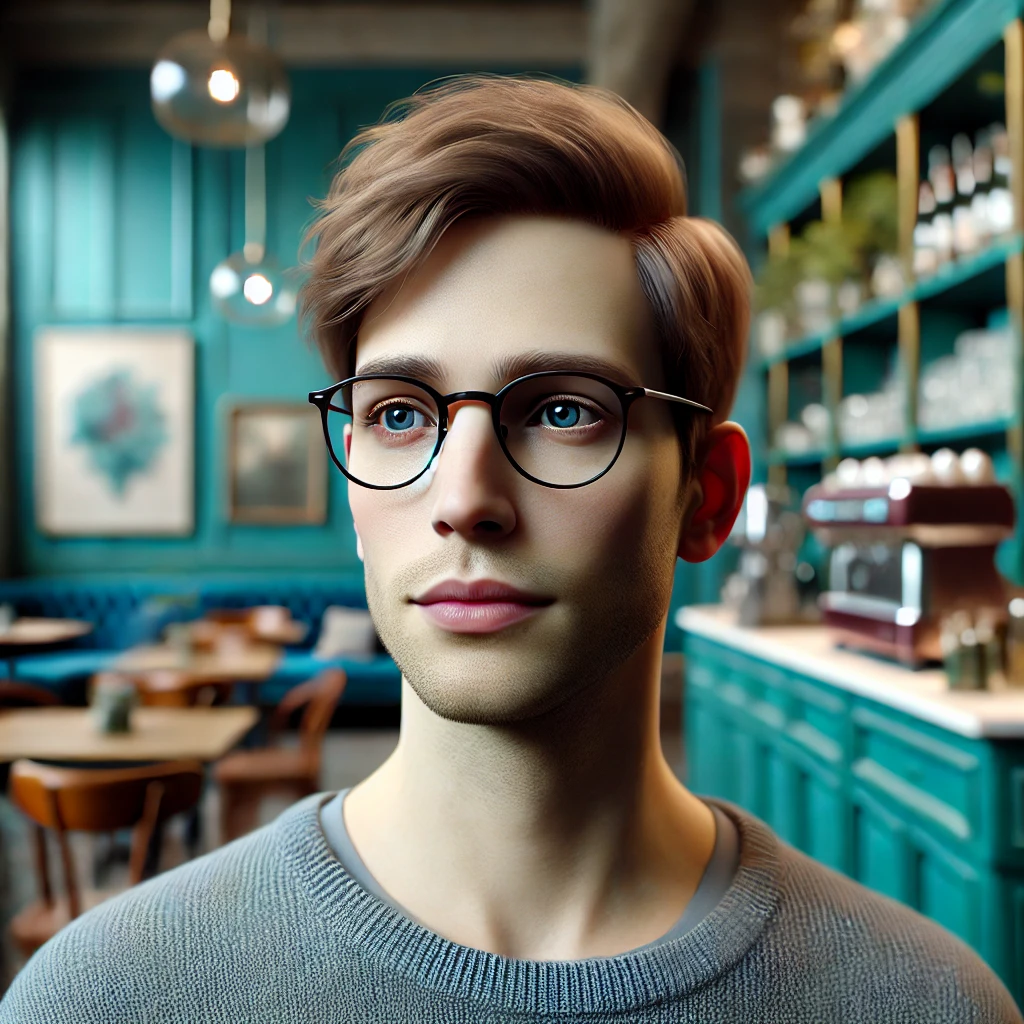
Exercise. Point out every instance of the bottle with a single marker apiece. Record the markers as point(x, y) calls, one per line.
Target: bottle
point(982, 186)
point(964, 240)
point(940, 174)
point(1000, 197)
point(926, 260)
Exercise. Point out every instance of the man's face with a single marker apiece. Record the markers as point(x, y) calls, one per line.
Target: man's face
point(603, 553)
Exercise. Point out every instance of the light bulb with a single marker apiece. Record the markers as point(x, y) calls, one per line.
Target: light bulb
point(230, 93)
point(223, 85)
point(257, 289)
point(166, 79)
point(253, 293)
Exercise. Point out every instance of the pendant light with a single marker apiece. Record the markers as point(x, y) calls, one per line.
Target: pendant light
point(213, 89)
point(249, 287)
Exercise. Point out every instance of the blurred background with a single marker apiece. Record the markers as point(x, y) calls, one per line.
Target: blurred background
point(177, 553)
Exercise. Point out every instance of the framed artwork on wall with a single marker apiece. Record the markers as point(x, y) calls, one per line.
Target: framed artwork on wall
point(277, 464)
point(114, 446)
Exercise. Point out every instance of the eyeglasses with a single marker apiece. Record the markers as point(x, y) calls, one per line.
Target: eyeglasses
point(557, 428)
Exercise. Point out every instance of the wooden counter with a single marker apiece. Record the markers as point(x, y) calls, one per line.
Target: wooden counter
point(924, 693)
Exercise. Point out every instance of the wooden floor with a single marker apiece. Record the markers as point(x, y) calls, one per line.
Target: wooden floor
point(349, 755)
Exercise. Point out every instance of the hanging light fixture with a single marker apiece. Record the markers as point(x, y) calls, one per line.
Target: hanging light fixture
point(249, 287)
point(213, 89)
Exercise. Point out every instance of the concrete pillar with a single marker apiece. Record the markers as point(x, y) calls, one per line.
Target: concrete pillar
point(631, 47)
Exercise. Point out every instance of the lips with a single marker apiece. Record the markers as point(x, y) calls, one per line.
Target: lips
point(478, 606)
point(483, 591)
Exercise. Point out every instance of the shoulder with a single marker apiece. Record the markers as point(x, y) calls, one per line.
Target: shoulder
point(877, 954)
point(150, 944)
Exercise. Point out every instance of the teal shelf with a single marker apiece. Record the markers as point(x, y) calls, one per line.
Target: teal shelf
point(796, 349)
point(950, 435)
point(870, 313)
point(941, 45)
point(883, 446)
point(963, 270)
point(877, 310)
point(776, 457)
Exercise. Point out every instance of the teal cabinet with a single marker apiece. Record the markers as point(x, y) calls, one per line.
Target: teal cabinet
point(922, 814)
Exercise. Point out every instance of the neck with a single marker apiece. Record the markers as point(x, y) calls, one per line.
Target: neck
point(564, 837)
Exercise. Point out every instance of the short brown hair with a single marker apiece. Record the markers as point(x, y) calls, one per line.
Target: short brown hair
point(490, 145)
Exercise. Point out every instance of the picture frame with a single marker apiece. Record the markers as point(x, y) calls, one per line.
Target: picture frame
point(276, 464)
point(114, 451)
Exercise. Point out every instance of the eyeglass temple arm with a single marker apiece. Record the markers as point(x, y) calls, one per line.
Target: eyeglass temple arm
point(675, 398)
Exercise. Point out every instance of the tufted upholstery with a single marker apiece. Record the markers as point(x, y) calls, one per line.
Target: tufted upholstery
point(118, 609)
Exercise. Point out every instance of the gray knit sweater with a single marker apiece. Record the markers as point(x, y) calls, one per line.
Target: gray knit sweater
point(272, 929)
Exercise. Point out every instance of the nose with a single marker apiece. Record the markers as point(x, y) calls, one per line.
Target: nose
point(472, 481)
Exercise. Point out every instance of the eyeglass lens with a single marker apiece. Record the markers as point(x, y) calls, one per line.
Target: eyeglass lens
point(561, 430)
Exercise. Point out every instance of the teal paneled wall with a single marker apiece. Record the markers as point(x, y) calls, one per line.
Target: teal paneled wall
point(113, 222)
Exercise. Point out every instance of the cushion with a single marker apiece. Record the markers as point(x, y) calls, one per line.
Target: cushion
point(65, 673)
point(345, 631)
point(61, 666)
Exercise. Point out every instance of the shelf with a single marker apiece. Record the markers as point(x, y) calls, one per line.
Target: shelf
point(941, 45)
point(877, 310)
point(862, 449)
point(950, 435)
point(963, 270)
point(777, 457)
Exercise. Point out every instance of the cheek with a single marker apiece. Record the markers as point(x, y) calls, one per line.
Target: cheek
point(391, 528)
point(608, 528)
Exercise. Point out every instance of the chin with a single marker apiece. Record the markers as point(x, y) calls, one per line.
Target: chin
point(486, 687)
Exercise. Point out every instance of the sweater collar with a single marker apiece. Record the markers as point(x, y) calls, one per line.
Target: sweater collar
point(626, 982)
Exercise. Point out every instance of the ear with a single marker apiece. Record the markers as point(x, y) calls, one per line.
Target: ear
point(722, 482)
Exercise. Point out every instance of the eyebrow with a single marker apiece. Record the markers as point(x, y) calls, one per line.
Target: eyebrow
point(505, 369)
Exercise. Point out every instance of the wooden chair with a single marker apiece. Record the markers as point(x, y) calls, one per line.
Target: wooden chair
point(24, 695)
point(91, 800)
point(246, 776)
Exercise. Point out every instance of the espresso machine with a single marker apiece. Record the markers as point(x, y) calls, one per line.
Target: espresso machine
point(913, 542)
point(767, 586)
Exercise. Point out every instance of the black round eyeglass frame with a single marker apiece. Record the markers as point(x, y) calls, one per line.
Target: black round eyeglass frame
point(323, 400)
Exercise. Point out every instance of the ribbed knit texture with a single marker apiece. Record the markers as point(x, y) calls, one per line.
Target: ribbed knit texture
point(272, 929)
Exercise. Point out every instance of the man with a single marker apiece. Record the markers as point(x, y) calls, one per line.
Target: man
point(544, 349)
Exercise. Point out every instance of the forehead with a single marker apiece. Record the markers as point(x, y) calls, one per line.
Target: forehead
point(499, 294)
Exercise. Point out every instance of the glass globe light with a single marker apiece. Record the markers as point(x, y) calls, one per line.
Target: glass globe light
point(252, 290)
point(228, 92)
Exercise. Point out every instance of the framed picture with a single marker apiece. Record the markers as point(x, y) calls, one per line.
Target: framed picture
point(114, 453)
point(277, 464)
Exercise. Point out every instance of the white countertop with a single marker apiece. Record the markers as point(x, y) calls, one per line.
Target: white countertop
point(810, 650)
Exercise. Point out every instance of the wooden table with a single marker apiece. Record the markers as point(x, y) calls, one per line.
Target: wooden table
point(67, 736)
point(252, 663)
point(158, 734)
point(206, 632)
point(27, 635)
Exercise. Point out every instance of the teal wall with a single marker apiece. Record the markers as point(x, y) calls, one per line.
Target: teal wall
point(116, 223)
point(695, 125)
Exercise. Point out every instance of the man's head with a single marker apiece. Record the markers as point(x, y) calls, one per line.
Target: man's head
point(497, 220)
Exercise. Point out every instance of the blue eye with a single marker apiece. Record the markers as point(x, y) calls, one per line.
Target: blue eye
point(561, 414)
point(399, 418)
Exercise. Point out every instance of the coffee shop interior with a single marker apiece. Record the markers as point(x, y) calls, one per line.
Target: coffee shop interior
point(185, 645)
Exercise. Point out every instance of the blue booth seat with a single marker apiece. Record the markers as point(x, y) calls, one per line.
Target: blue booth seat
point(133, 610)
